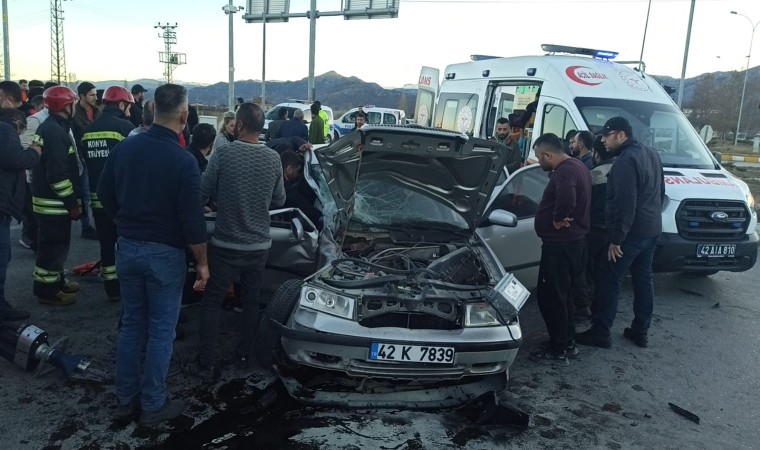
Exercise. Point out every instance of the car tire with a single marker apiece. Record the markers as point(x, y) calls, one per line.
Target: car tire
point(266, 343)
point(328, 139)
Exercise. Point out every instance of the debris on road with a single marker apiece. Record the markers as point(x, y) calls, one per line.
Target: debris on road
point(682, 412)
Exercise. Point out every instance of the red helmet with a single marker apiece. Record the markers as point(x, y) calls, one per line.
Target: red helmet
point(57, 98)
point(116, 94)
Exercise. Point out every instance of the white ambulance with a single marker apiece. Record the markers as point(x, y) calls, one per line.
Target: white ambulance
point(709, 217)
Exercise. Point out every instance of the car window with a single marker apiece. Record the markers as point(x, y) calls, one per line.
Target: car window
point(349, 118)
point(389, 119)
point(273, 113)
point(374, 118)
point(523, 192)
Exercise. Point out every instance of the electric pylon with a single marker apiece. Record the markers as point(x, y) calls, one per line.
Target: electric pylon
point(168, 57)
point(57, 50)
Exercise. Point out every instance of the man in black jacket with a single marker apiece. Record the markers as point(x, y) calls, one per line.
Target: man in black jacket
point(100, 137)
point(85, 112)
point(635, 192)
point(53, 198)
point(136, 112)
point(14, 159)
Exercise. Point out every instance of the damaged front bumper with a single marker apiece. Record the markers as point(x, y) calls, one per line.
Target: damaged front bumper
point(319, 340)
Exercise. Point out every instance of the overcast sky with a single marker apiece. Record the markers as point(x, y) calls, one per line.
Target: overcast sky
point(114, 39)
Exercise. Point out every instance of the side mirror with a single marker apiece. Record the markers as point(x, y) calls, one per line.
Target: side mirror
point(502, 218)
point(718, 156)
point(296, 230)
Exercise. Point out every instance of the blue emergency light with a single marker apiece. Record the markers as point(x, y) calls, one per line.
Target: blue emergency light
point(594, 53)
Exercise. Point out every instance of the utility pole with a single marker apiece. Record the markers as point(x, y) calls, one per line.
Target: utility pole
point(57, 49)
point(264, 58)
point(685, 55)
point(313, 14)
point(230, 10)
point(168, 57)
point(6, 44)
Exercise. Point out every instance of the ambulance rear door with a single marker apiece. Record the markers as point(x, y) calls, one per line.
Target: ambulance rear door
point(427, 91)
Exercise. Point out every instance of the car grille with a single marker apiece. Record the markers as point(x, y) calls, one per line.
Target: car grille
point(412, 321)
point(694, 220)
point(432, 314)
point(404, 371)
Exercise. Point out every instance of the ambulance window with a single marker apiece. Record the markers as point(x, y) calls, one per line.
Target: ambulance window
point(389, 119)
point(457, 113)
point(557, 120)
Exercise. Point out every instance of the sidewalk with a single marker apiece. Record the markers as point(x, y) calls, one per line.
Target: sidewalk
point(725, 157)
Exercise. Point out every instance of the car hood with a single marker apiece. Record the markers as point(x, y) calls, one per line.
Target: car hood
point(451, 168)
point(681, 184)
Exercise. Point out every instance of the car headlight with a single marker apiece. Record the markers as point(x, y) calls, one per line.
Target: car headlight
point(328, 302)
point(480, 315)
point(750, 201)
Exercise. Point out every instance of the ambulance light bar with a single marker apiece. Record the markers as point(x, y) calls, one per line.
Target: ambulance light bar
point(601, 54)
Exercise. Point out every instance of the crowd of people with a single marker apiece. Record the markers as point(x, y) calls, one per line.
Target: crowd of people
point(598, 219)
point(140, 179)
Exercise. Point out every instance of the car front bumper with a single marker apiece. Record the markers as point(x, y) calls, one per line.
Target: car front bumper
point(327, 342)
point(675, 254)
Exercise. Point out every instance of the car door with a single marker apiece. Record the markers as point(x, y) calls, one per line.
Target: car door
point(518, 248)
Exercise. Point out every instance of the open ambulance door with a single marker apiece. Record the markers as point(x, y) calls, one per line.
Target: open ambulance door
point(427, 91)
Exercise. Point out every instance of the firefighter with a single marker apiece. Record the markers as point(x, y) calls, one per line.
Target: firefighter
point(53, 199)
point(100, 137)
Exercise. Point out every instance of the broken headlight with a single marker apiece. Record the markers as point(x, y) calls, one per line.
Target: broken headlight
point(328, 302)
point(480, 315)
point(507, 297)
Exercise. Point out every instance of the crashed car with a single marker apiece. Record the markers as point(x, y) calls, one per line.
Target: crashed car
point(407, 290)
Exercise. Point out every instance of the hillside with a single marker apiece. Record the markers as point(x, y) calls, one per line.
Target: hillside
point(333, 90)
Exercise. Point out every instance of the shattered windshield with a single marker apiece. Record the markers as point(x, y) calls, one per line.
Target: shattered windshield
point(381, 202)
point(658, 125)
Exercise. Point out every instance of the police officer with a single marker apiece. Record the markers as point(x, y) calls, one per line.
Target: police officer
point(53, 199)
point(100, 137)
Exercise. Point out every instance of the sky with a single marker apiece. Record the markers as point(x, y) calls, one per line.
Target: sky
point(116, 40)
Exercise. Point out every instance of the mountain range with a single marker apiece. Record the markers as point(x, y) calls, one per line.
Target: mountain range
point(342, 93)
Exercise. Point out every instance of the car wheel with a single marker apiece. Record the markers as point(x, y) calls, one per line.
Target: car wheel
point(328, 139)
point(702, 273)
point(266, 343)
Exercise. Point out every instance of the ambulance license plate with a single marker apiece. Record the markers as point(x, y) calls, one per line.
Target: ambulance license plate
point(716, 250)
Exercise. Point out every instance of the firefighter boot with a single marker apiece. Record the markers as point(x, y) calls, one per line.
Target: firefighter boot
point(59, 299)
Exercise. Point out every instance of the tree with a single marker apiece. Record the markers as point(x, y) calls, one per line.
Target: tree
point(702, 104)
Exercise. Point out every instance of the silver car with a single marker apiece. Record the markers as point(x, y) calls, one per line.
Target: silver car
point(408, 288)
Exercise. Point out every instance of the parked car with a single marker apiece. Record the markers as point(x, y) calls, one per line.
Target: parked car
point(408, 286)
point(375, 116)
point(304, 106)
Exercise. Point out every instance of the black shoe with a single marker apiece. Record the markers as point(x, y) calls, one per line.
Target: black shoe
point(12, 314)
point(642, 340)
point(593, 338)
point(90, 234)
point(170, 410)
point(125, 413)
point(550, 358)
point(571, 351)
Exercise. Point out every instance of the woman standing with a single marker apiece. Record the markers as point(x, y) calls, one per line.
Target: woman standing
point(226, 132)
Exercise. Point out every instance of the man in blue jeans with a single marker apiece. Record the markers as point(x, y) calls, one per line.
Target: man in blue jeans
point(635, 192)
point(150, 186)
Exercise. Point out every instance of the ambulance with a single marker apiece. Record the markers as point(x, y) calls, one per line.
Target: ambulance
point(709, 217)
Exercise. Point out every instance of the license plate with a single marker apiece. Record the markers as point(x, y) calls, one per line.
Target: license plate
point(716, 250)
point(411, 353)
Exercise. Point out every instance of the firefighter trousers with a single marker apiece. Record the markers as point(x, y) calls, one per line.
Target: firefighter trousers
point(53, 240)
point(107, 237)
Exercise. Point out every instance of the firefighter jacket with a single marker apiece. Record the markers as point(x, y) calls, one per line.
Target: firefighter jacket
point(53, 178)
point(99, 138)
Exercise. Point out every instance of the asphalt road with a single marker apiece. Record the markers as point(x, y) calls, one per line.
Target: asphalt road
point(703, 357)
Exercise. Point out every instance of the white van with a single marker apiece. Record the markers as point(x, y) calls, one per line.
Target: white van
point(709, 217)
point(375, 116)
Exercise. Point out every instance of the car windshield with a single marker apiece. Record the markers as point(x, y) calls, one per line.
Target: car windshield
point(381, 202)
point(660, 126)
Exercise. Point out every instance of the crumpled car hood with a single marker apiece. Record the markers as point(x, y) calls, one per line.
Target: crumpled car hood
point(451, 168)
